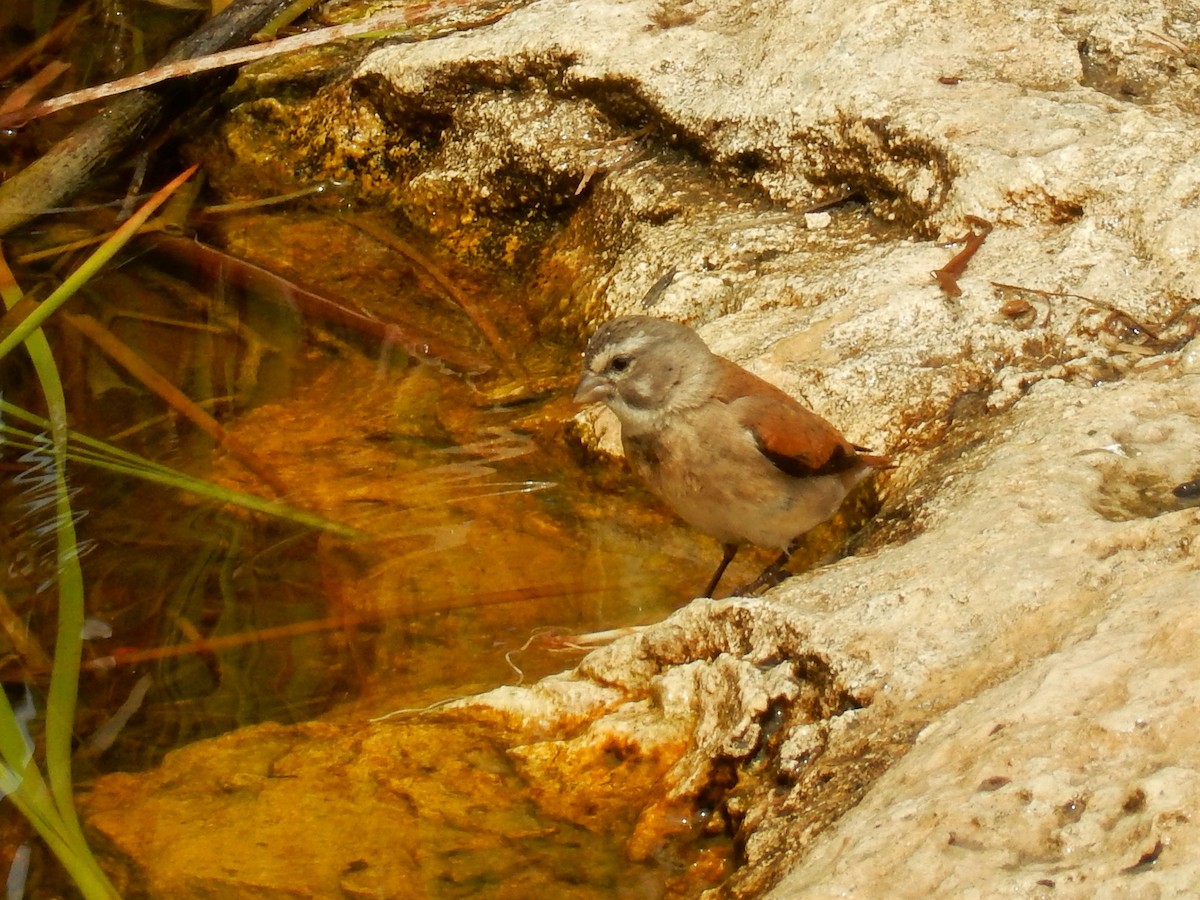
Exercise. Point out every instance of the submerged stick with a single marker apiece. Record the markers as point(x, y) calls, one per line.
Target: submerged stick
point(24, 642)
point(53, 38)
point(131, 656)
point(429, 270)
point(219, 264)
point(120, 353)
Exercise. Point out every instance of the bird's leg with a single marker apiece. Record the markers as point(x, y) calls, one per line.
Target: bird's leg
point(772, 575)
point(730, 552)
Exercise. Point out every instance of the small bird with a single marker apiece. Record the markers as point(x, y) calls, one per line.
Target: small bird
point(734, 456)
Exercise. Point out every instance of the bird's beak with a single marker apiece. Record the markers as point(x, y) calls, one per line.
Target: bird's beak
point(592, 389)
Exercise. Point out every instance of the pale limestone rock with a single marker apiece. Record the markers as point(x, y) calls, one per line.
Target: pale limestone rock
point(1041, 620)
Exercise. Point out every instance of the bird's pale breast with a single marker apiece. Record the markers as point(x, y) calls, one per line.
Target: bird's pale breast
point(708, 468)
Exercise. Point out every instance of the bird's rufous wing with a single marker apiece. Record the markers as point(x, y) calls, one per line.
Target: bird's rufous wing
point(795, 439)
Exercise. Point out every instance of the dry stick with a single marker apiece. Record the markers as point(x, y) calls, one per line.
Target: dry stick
point(384, 22)
point(106, 138)
point(120, 353)
point(23, 94)
point(249, 276)
point(429, 269)
point(155, 224)
point(237, 206)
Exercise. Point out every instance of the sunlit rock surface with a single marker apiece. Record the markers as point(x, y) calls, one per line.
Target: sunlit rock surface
point(995, 696)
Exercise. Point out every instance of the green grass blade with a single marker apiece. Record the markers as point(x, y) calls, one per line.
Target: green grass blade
point(64, 675)
point(54, 815)
point(90, 266)
point(16, 747)
point(93, 452)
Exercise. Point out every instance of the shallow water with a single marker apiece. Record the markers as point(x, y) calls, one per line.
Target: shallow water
point(476, 527)
point(482, 545)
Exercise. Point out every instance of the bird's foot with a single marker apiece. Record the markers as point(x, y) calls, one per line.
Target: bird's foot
point(772, 575)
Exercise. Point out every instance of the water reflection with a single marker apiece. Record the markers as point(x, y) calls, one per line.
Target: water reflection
point(480, 529)
point(477, 528)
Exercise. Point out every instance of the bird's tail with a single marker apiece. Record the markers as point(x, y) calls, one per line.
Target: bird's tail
point(874, 460)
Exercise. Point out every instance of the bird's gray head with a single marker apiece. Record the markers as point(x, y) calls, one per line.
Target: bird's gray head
point(643, 367)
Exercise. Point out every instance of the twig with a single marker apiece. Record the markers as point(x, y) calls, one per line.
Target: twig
point(23, 94)
point(155, 224)
point(1042, 293)
point(1172, 45)
point(106, 735)
point(369, 27)
point(416, 710)
point(284, 19)
point(449, 289)
point(593, 638)
point(107, 137)
point(554, 641)
point(830, 202)
point(133, 189)
point(238, 206)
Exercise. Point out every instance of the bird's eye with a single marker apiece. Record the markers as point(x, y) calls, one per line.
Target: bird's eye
point(620, 363)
